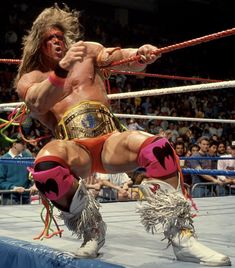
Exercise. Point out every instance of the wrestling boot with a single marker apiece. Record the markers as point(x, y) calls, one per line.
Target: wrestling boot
point(168, 210)
point(93, 241)
point(85, 220)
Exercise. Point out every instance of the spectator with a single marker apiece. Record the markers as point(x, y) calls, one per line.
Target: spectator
point(212, 152)
point(228, 164)
point(201, 190)
point(228, 149)
point(174, 132)
point(15, 177)
point(119, 183)
point(180, 151)
point(193, 149)
point(221, 148)
point(138, 176)
point(134, 125)
point(180, 148)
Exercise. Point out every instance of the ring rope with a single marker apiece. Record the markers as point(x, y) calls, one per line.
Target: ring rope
point(10, 104)
point(157, 91)
point(31, 159)
point(151, 117)
point(184, 170)
point(184, 44)
point(172, 118)
point(168, 118)
point(172, 90)
point(10, 61)
point(162, 50)
point(206, 158)
point(164, 76)
point(214, 172)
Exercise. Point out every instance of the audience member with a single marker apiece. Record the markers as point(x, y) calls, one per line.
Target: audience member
point(212, 152)
point(201, 190)
point(228, 164)
point(119, 183)
point(221, 148)
point(15, 177)
point(192, 150)
point(180, 151)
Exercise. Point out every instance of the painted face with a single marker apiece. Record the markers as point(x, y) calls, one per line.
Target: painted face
point(54, 44)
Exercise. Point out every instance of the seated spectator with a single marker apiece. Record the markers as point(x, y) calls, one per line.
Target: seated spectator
point(138, 176)
point(228, 164)
point(221, 148)
point(214, 137)
point(201, 190)
point(180, 151)
point(192, 150)
point(16, 177)
point(119, 183)
point(134, 125)
point(173, 130)
point(228, 149)
point(93, 185)
point(212, 152)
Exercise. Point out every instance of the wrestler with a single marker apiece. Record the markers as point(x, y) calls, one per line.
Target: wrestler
point(61, 81)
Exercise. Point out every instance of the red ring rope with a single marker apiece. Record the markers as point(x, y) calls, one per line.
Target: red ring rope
point(184, 44)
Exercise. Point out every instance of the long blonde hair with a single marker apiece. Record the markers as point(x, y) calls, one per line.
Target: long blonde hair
point(64, 19)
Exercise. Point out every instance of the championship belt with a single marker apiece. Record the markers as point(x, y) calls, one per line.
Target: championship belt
point(86, 120)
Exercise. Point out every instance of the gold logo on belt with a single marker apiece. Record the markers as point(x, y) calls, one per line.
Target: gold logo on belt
point(86, 120)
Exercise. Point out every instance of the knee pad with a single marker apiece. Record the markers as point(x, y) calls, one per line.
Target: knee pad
point(157, 156)
point(52, 177)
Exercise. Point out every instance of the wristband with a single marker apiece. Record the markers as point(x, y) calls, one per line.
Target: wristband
point(56, 80)
point(60, 72)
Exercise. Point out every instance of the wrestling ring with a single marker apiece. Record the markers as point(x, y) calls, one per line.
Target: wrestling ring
point(127, 243)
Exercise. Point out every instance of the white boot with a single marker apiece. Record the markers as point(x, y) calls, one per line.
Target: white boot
point(85, 220)
point(93, 241)
point(167, 209)
point(188, 249)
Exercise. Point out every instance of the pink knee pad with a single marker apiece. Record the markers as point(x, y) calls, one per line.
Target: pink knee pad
point(53, 183)
point(158, 158)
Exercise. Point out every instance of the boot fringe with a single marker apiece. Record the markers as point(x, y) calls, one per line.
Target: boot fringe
point(85, 221)
point(168, 211)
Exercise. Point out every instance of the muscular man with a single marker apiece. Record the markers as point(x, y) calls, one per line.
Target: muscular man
point(62, 83)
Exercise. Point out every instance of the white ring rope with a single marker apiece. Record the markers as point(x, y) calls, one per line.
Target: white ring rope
point(156, 92)
point(170, 118)
point(172, 90)
point(4, 106)
point(151, 117)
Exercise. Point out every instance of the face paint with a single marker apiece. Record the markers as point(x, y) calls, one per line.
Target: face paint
point(54, 43)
